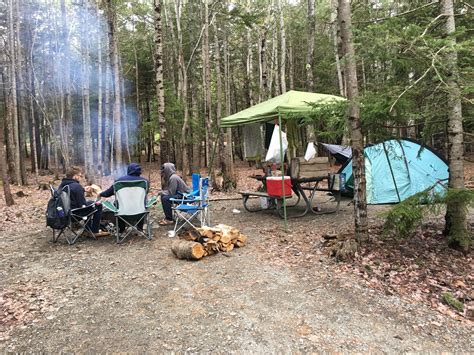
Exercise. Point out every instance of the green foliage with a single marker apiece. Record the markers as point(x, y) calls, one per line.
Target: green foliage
point(403, 219)
point(452, 301)
point(460, 197)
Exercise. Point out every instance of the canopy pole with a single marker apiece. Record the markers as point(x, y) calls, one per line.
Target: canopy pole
point(282, 171)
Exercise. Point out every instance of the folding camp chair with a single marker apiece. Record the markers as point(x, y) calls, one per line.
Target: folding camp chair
point(78, 219)
point(189, 195)
point(193, 211)
point(132, 208)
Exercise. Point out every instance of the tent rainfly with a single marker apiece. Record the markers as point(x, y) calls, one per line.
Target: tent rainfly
point(398, 169)
point(342, 153)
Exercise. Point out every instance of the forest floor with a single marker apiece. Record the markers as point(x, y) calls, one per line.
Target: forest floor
point(279, 293)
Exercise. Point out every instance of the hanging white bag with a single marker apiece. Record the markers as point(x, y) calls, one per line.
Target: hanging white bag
point(273, 154)
point(310, 151)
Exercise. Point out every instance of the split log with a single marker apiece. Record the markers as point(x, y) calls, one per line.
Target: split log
point(221, 238)
point(184, 249)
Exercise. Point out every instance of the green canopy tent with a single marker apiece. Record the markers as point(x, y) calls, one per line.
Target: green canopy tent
point(289, 103)
point(283, 106)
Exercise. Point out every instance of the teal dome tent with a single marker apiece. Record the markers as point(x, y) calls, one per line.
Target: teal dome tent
point(398, 169)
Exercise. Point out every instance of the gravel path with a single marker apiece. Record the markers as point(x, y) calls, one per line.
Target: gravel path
point(101, 297)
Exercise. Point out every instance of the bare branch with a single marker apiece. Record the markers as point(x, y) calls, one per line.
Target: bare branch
point(199, 41)
point(400, 14)
point(409, 87)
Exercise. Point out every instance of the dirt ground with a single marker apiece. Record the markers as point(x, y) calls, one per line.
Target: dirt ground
point(279, 293)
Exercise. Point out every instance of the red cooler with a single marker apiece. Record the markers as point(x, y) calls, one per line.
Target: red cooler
point(275, 186)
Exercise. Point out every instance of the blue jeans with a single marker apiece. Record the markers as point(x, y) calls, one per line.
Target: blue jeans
point(166, 203)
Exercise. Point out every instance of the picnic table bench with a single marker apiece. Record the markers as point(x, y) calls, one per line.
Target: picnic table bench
point(311, 182)
point(327, 204)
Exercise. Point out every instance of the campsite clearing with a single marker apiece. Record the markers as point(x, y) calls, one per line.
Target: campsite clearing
point(278, 293)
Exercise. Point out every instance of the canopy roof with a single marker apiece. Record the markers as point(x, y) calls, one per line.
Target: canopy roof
point(289, 102)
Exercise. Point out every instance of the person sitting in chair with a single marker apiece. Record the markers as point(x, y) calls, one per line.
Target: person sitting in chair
point(78, 199)
point(174, 187)
point(134, 172)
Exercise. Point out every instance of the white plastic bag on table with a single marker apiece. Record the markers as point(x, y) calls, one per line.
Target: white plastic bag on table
point(310, 151)
point(273, 154)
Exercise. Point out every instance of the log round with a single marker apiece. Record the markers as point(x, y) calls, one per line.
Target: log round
point(184, 249)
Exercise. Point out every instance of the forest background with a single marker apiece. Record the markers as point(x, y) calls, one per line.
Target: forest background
point(102, 83)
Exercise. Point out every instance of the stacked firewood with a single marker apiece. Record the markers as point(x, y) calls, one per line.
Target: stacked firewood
point(195, 244)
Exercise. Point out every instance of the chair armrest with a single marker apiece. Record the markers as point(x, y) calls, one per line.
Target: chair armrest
point(152, 201)
point(192, 193)
point(110, 206)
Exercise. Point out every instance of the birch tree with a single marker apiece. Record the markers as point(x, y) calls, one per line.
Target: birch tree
point(86, 111)
point(114, 61)
point(357, 142)
point(207, 83)
point(13, 146)
point(310, 47)
point(66, 82)
point(283, 48)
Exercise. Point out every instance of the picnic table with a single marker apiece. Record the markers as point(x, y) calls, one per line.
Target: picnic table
point(327, 200)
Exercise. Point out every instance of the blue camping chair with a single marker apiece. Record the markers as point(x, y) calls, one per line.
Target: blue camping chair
point(193, 209)
point(189, 195)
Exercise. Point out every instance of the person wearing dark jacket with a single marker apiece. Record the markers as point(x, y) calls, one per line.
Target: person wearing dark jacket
point(174, 187)
point(78, 200)
point(134, 171)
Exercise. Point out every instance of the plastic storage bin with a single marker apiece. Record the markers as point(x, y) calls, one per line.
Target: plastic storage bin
point(275, 187)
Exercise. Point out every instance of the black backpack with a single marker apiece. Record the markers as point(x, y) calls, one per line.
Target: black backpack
point(58, 210)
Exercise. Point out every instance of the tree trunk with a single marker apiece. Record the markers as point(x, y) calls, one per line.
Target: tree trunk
point(263, 65)
point(165, 150)
point(357, 143)
point(137, 103)
point(86, 110)
point(100, 145)
point(456, 213)
point(291, 66)
point(3, 166)
point(273, 86)
point(22, 121)
point(114, 60)
point(174, 54)
point(283, 49)
point(228, 172)
point(13, 146)
point(310, 47)
point(249, 66)
point(182, 92)
point(207, 85)
point(107, 119)
point(125, 124)
point(197, 142)
point(219, 99)
point(66, 81)
point(32, 108)
point(335, 41)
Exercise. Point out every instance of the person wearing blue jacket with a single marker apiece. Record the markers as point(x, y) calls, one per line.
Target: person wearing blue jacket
point(134, 172)
point(76, 193)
